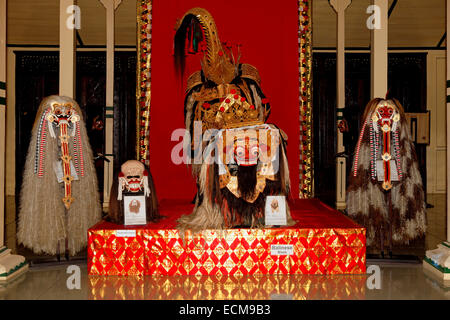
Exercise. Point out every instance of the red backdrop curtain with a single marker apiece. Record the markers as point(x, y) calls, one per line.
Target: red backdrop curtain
point(268, 32)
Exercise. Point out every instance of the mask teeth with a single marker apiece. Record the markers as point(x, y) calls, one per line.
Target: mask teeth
point(134, 186)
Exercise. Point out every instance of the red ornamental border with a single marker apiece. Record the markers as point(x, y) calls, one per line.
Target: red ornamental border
point(238, 252)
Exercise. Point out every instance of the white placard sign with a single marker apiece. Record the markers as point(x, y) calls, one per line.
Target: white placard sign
point(134, 210)
point(281, 249)
point(275, 211)
point(126, 233)
point(281, 296)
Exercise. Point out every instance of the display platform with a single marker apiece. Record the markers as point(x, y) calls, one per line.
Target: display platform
point(324, 241)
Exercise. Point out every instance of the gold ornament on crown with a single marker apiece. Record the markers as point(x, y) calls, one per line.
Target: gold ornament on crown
point(230, 109)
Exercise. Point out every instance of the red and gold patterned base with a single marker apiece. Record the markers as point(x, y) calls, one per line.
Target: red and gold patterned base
point(324, 241)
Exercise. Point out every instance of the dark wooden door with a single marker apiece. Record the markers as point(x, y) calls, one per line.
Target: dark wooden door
point(37, 76)
point(357, 94)
point(407, 81)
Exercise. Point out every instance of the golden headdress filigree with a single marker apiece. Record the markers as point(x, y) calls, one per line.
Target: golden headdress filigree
point(198, 26)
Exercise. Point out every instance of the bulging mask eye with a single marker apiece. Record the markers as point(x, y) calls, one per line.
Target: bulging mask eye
point(254, 150)
point(58, 111)
point(240, 151)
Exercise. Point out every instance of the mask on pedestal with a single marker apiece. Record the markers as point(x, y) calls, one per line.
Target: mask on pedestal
point(133, 179)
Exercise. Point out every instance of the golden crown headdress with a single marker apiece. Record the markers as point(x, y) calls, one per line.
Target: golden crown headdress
point(229, 103)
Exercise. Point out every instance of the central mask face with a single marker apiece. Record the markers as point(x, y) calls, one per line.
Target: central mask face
point(132, 176)
point(61, 112)
point(385, 114)
point(246, 151)
point(248, 160)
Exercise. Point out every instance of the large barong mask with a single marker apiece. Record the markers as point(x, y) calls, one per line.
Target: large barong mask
point(240, 167)
point(244, 159)
point(59, 199)
point(247, 157)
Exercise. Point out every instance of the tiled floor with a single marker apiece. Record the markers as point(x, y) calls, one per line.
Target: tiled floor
point(397, 280)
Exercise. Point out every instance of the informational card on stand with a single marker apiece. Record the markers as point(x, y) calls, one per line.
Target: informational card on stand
point(134, 210)
point(275, 211)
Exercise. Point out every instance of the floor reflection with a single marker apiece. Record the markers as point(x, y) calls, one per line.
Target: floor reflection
point(257, 287)
point(396, 281)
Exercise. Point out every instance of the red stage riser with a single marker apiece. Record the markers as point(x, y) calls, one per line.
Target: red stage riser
point(237, 252)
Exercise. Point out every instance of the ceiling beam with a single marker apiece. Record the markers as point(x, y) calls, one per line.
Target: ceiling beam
point(80, 41)
point(442, 40)
point(392, 7)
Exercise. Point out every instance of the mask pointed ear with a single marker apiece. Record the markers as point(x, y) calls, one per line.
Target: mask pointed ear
point(121, 185)
point(146, 186)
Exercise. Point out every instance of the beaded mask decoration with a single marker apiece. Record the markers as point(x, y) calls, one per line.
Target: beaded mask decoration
point(384, 144)
point(63, 119)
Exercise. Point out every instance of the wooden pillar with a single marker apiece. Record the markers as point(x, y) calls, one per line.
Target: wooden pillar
point(437, 259)
point(2, 117)
point(378, 51)
point(11, 265)
point(67, 48)
point(339, 7)
point(448, 118)
point(110, 6)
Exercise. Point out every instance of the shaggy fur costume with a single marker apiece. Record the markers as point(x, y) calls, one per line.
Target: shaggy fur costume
point(218, 208)
point(44, 222)
point(368, 203)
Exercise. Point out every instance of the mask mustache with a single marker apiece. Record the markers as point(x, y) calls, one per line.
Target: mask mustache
point(246, 176)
